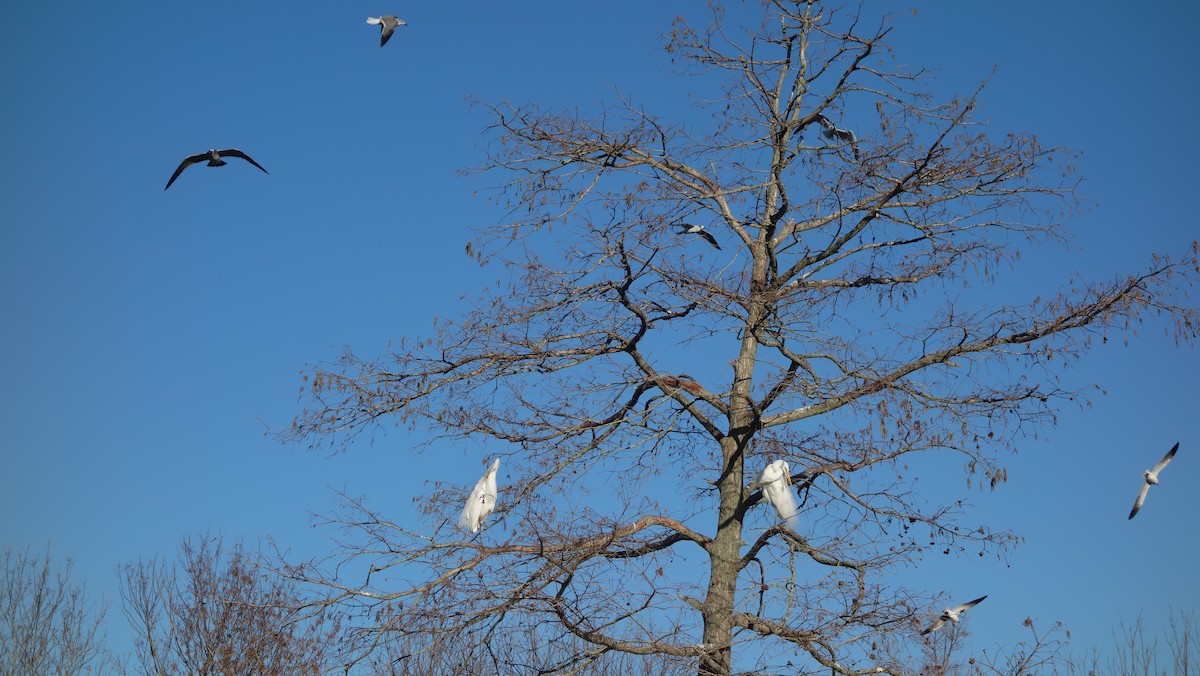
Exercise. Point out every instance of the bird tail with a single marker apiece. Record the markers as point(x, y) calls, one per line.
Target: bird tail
point(374, 21)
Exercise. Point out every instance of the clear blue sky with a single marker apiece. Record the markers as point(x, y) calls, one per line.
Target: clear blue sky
point(149, 340)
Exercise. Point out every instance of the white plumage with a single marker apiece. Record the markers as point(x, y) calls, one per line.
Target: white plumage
point(776, 482)
point(1151, 476)
point(951, 614)
point(481, 502)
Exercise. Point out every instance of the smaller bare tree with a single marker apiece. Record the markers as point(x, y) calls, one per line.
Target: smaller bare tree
point(47, 625)
point(220, 613)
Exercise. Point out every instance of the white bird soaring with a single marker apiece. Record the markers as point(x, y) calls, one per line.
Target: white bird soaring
point(697, 229)
point(1152, 479)
point(951, 614)
point(776, 482)
point(387, 26)
point(481, 502)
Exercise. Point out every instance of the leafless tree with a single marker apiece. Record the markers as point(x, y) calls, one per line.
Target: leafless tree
point(47, 623)
point(217, 612)
point(636, 379)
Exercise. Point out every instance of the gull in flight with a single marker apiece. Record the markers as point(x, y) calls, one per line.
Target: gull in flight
point(481, 502)
point(951, 614)
point(776, 482)
point(387, 26)
point(214, 160)
point(831, 132)
point(696, 229)
point(1152, 479)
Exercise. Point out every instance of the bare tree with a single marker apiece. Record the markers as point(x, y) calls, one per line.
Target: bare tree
point(636, 379)
point(220, 613)
point(47, 623)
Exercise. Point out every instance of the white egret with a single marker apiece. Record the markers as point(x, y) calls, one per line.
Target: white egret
point(951, 614)
point(1152, 479)
point(214, 160)
point(776, 483)
point(481, 502)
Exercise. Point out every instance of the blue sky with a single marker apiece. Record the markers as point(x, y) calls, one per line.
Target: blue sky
point(151, 340)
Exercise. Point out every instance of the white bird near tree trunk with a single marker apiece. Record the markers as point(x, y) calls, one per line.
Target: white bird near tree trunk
point(776, 483)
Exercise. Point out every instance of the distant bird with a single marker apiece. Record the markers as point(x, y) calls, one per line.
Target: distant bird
point(696, 229)
point(481, 502)
point(776, 482)
point(831, 132)
point(214, 160)
point(387, 26)
point(951, 614)
point(1152, 479)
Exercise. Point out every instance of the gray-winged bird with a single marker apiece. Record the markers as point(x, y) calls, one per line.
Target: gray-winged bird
point(387, 26)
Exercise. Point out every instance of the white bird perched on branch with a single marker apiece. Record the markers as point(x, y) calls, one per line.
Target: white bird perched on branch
point(387, 26)
point(481, 502)
point(776, 483)
point(951, 614)
point(1152, 479)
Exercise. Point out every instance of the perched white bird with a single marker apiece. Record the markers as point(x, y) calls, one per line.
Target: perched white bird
point(831, 132)
point(214, 160)
point(776, 482)
point(387, 26)
point(951, 614)
point(1152, 479)
point(481, 502)
point(697, 229)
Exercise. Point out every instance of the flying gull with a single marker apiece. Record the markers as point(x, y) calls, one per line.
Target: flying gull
point(696, 229)
point(214, 160)
point(1152, 479)
point(387, 26)
point(951, 614)
point(831, 132)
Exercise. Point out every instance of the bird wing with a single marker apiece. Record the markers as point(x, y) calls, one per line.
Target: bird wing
point(934, 627)
point(969, 604)
point(234, 152)
point(388, 27)
point(472, 514)
point(1166, 458)
point(711, 240)
point(1137, 504)
point(187, 162)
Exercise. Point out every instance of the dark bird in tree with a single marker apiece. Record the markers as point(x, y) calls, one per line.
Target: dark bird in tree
point(1152, 479)
point(831, 132)
point(696, 229)
point(214, 160)
point(387, 26)
point(951, 614)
